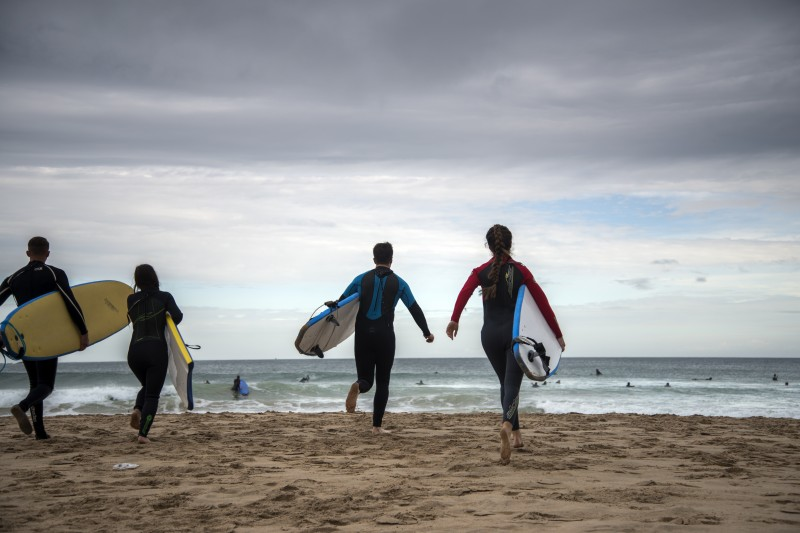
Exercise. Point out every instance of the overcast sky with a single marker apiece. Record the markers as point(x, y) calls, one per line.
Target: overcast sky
point(645, 156)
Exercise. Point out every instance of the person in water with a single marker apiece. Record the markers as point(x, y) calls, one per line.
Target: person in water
point(147, 355)
point(31, 281)
point(380, 290)
point(236, 383)
point(500, 279)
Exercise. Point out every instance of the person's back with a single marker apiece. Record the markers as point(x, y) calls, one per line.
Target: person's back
point(147, 311)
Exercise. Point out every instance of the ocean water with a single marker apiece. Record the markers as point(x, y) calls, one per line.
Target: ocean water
point(737, 387)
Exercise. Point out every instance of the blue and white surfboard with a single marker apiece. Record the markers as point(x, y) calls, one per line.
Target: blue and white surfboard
point(329, 328)
point(536, 348)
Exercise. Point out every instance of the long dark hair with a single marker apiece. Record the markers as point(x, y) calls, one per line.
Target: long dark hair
point(145, 278)
point(499, 240)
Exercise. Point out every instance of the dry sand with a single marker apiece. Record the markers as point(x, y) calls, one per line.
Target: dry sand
point(327, 472)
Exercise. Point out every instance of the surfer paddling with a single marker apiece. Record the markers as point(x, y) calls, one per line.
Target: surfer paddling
point(500, 280)
point(31, 281)
point(380, 290)
point(148, 357)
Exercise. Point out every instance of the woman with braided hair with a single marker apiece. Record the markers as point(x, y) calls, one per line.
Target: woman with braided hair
point(500, 280)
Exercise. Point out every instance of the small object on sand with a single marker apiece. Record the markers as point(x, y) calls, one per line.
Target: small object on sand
point(125, 466)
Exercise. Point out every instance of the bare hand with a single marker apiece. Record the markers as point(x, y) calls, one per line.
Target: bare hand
point(452, 329)
point(429, 338)
point(84, 342)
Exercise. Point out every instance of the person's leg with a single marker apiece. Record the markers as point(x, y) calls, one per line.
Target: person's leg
point(137, 362)
point(47, 384)
point(154, 381)
point(365, 367)
point(495, 341)
point(511, 384)
point(384, 361)
point(20, 410)
point(41, 380)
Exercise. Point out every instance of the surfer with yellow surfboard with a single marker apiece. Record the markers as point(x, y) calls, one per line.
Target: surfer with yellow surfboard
point(28, 283)
point(501, 279)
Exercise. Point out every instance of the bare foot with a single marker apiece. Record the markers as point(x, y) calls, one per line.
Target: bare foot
point(143, 440)
point(352, 398)
point(516, 439)
point(136, 419)
point(378, 431)
point(505, 444)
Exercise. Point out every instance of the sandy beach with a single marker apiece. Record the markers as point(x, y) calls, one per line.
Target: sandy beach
point(327, 472)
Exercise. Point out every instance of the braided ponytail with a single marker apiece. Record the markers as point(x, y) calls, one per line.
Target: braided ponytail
point(499, 239)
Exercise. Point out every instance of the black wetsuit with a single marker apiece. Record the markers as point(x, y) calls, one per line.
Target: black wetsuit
point(147, 354)
point(380, 291)
point(31, 281)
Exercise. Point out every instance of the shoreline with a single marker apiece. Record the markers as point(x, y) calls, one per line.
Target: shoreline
point(327, 472)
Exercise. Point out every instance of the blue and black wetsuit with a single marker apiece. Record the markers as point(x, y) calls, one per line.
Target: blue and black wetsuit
point(31, 281)
point(381, 290)
point(147, 354)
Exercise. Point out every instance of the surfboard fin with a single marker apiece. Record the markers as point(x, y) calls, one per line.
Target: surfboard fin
point(539, 351)
point(331, 318)
point(316, 351)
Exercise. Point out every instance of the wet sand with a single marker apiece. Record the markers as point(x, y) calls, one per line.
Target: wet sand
point(327, 472)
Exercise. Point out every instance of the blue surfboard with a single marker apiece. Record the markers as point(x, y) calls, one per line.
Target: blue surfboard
point(244, 389)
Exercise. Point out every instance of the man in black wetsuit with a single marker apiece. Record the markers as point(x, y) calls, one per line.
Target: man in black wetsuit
point(29, 282)
point(380, 290)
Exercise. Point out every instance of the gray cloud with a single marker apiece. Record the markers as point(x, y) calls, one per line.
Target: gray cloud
point(213, 83)
point(642, 284)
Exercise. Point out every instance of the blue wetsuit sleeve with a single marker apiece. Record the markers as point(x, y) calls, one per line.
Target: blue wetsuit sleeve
point(404, 293)
point(352, 288)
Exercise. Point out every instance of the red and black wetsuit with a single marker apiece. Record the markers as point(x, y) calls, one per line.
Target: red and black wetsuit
point(498, 324)
point(147, 354)
point(31, 281)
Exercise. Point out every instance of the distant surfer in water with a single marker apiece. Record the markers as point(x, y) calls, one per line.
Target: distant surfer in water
point(31, 281)
point(380, 290)
point(500, 280)
point(147, 355)
point(236, 382)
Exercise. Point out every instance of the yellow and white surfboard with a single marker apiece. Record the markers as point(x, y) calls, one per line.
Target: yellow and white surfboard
point(43, 329)
point(180, 364)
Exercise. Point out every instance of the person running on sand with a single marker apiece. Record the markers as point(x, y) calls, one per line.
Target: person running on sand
point(380, 290)
point(31, 281)
point(500, 280)
point(147, 354)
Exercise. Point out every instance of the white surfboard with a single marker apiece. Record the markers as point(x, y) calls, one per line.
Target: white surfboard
point(329, 328)
point(180, 364)
point(536, 348)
